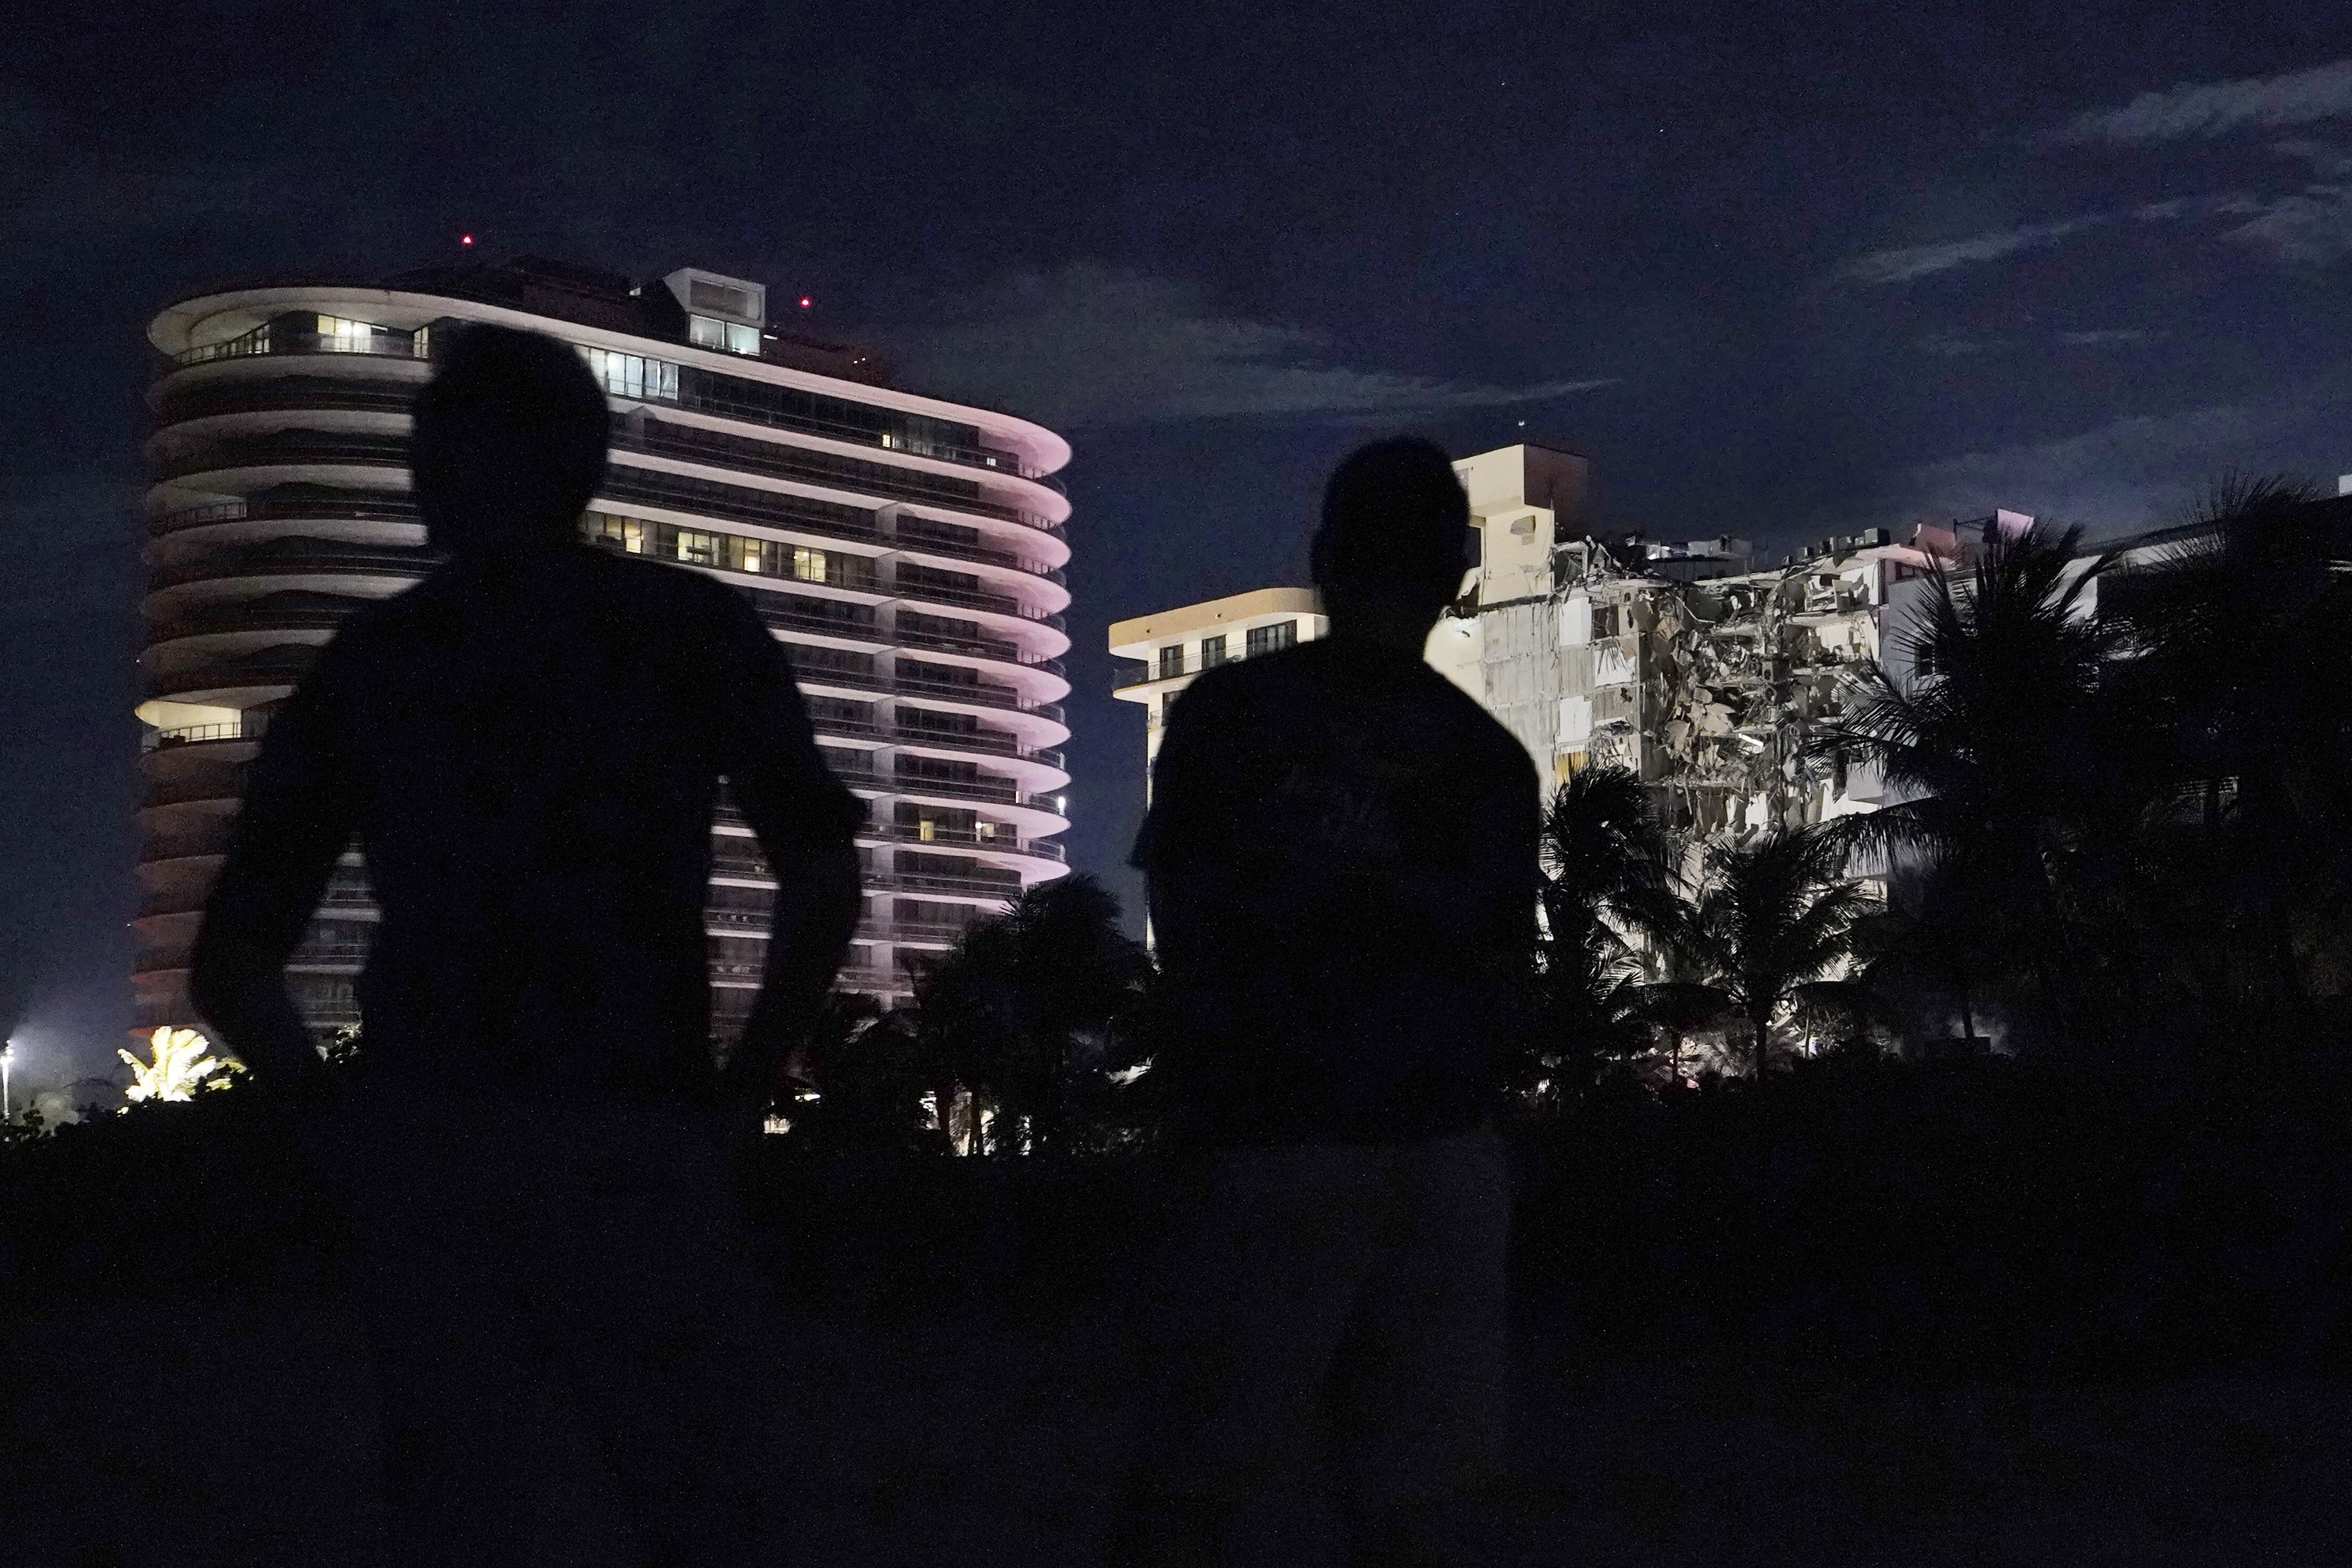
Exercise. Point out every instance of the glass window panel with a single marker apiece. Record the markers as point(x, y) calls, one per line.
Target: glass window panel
point(742, 340)
point(701, 549)
point(707, 331)
point(808, 565)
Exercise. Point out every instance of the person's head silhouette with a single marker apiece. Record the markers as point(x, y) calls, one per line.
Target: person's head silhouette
point(509, 442)
point(1390, 555)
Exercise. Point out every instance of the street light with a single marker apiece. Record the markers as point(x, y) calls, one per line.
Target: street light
point(7, 1100)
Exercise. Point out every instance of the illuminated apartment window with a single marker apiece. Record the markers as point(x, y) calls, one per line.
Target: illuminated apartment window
point(732, 337)
point(747, 555)
point(1172, 660)
point(809, 566)
point(627, 532)
point(697, 548)
point(1266, 639)
point(633, 375)
point(339, 334)
point(1213, 651)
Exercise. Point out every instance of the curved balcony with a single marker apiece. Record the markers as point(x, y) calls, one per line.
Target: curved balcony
point(295, 611)
point(693, 497)
point(711, 448)
point(282, 449)
point(270, 668)
point(990, 458)
point(282, 393)
point(351, 506)
point(993, 743)
point(277, 341)
point(299, 555)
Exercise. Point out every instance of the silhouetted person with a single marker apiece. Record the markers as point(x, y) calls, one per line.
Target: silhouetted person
point(1342, 862)
point(526, 747)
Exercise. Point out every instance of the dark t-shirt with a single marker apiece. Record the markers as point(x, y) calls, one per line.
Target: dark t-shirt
point(528, 753)
point(1341, 853)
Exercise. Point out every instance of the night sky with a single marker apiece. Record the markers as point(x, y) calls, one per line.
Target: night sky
point(1780, 271)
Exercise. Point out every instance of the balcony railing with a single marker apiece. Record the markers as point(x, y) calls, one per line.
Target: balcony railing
point(977, 647)
point(1003, 842)
point(651, 487)
point(971, 599)
point(664, 438)
point(283, 447)
point(275, 341)
point(279, 394)
point(989, 457)
point(325, 508)
point(232, 675)
point(299, 556)
point(190, 735)
point(1132, 672)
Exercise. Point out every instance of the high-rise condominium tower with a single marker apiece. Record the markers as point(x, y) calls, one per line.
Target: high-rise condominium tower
point(908, 552)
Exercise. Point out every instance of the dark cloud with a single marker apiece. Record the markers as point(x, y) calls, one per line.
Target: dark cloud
point(2130, 472)
point(1091, 347)
point(2216, 108)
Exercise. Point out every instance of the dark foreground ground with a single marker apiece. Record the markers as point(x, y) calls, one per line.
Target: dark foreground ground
point(185, 1388)
point(1763, 1333)
point(240, 1431)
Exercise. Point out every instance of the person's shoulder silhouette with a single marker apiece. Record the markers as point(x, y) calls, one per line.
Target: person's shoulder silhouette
point(526, 747)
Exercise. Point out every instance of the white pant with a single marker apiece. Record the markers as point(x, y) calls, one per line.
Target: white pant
point(1335, 1333)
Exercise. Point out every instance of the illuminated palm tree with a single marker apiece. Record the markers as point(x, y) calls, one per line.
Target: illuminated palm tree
point(1982, 745)
point(1771, 934)
point(181, 1068)
point(1609, 903)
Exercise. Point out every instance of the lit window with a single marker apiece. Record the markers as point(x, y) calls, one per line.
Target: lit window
point(748, 554)
point(339, 334)
point(627, 532)
point(732, 337)
point(421, 344)
point(808, 565)
point(699, 548)
point(633, 375)
point(1266, 639)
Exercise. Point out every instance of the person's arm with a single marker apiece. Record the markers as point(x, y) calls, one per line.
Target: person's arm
point(1189, 879)
point(805, 821)
point(299, 814)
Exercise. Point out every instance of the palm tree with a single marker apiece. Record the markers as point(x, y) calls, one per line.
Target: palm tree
point(2236, 635)
point(1029, 1002)
point(1772, 926)
point(1982, 744)
point(1609, 898)
point(858, 1078)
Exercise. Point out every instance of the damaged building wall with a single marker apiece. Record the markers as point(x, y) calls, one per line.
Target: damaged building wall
point(1704, 677)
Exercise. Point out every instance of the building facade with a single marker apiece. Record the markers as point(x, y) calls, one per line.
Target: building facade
point(1171, 647)
point(908, 552)
point(1692, 665)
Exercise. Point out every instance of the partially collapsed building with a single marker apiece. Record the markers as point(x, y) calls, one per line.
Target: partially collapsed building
point(1695, 664)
